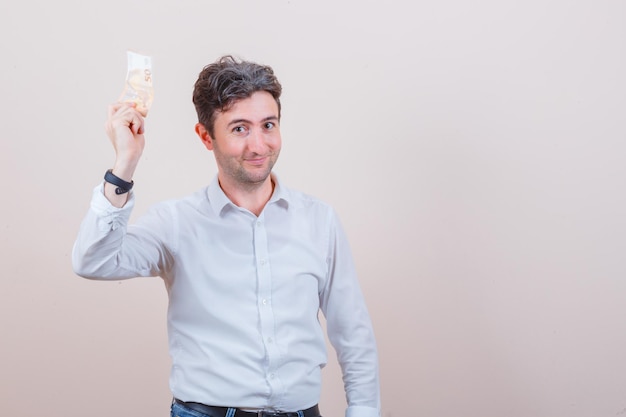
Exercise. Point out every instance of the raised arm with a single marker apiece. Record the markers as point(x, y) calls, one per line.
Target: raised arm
point(125, 128)
point(104, 247)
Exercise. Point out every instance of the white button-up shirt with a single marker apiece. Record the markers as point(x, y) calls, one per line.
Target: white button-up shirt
point(244, 295)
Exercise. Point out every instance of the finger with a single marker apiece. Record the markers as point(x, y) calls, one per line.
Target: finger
point(138, 107)
point(142, 110)
point(137, 123)
point(114, 108)
point(116, 114)
point(129, 112)
point(134, 111)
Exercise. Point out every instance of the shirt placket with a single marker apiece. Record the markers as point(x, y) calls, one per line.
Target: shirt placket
point(266, 313)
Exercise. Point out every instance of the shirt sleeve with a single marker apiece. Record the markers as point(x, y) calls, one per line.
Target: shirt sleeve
point(349, 328)
point(107, 248)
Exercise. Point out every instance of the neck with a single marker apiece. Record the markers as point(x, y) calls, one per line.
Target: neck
point(252, 197)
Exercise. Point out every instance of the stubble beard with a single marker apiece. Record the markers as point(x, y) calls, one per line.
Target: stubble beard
point(247, 178)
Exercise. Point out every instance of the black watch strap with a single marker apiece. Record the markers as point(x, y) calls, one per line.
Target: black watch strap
point(122, 186)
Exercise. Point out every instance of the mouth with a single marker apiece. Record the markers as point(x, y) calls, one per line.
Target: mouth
point(256, 161)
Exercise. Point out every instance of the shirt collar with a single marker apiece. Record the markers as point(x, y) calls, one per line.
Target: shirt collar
point(219, 201)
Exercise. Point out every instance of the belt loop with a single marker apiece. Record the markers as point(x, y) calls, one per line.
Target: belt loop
point(300, 413)
point(230, 412)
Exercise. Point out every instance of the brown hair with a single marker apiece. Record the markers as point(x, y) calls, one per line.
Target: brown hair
point(227, 81)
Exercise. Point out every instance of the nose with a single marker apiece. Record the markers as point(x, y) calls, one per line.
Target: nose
point(256, 142)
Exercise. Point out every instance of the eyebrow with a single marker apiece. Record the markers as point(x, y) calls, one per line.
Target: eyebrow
point(266, 119)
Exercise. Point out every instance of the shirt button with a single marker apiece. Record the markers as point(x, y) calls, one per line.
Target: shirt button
point(264, 302)
point(270, 340)
point(263, 261)
point(258, 224)
point(271, 376)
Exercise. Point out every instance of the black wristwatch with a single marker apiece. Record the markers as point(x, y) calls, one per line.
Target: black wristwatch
point(122, 186)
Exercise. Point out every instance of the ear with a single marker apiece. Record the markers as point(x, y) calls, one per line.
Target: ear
point(204, 136)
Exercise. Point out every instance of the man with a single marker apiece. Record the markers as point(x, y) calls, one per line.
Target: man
point(247, 262)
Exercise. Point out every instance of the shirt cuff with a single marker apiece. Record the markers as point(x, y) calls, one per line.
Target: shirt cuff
point(111, 217)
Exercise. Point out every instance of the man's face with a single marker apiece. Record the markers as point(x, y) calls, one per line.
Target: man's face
point(246, 140)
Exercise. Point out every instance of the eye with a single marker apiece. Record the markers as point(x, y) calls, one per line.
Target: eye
point(239, 130)
point(269, 125)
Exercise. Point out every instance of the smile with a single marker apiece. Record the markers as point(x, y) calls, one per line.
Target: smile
point(256, 161)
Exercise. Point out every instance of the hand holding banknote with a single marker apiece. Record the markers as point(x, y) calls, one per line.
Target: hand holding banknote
point(125, 128)
point(125, 123)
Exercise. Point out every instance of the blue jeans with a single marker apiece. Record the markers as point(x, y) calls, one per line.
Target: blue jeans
point(182, 411)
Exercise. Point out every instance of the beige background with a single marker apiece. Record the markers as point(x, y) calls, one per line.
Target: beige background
point(474, 150)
